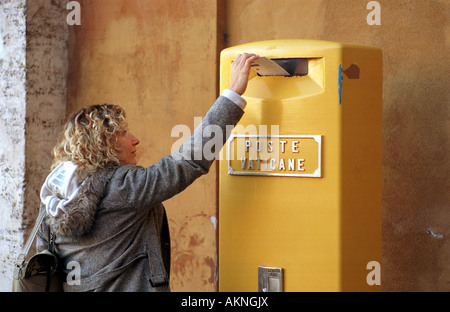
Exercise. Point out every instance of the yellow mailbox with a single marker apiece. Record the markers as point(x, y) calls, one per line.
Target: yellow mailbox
point(300, 176)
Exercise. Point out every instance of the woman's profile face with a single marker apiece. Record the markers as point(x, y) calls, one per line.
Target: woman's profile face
point(126, 144)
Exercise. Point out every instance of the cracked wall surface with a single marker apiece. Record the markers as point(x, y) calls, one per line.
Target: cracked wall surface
point(12, 133)
point(33, 63)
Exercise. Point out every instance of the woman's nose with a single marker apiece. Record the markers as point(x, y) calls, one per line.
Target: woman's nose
point(135, 140)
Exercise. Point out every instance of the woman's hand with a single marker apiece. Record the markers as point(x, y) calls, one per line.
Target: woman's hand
point(240, 70)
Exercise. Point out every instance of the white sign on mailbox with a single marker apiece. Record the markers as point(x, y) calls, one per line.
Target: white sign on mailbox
point(275, 155)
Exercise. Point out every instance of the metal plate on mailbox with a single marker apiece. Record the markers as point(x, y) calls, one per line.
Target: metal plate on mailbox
point(275, 155)
point(270, 279)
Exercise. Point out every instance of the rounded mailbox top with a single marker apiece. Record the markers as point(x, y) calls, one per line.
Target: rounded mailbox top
point(289, 48)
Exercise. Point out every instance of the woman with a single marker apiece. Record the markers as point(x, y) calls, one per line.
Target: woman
point(106, 213)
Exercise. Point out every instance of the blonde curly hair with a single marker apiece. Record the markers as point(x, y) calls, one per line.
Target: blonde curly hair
point(89, 138)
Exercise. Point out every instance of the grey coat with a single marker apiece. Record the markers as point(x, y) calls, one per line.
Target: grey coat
point(117, 230)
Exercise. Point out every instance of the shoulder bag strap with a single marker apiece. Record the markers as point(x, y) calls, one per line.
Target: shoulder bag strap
point(51, 241)
point(30, 240)
point(51, 248)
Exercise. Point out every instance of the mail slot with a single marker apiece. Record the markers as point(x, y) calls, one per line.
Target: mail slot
point(300, 176)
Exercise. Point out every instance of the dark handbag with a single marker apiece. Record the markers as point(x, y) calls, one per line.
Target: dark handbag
point(40, 273)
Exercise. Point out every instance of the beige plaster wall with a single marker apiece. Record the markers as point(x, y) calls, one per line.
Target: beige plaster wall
point(415, 38)
point(158, 60)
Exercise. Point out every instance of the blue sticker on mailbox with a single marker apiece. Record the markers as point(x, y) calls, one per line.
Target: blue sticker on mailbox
point(340, 84)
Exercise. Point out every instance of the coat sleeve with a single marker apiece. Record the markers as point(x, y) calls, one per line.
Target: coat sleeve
point(172, 174)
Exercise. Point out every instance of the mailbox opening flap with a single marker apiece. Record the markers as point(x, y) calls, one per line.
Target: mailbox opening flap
point(283, 78)
point(281, 66)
